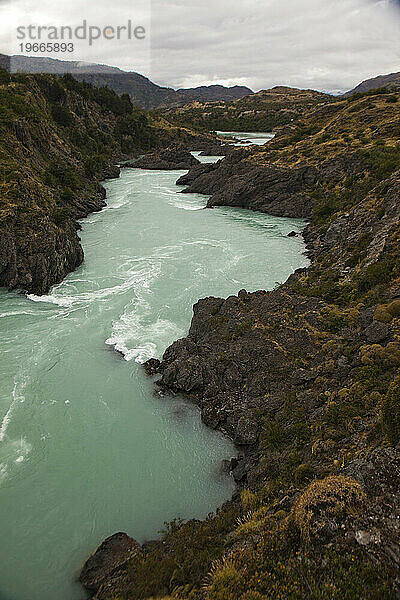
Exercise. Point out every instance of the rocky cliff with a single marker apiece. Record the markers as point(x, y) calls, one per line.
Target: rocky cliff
point(58, 139)
point(305, 379)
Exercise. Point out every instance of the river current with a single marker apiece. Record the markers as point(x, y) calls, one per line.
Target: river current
point(86, 449)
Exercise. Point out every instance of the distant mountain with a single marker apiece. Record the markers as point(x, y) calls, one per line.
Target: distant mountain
point(142, 91)
point(263, 111)
point(391, 81)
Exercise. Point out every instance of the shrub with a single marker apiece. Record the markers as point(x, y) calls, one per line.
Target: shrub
point(324, 499)
point(376, 274)
point(4, 77)
point(382, 314)
point(386, 312)
point(249, 500)
point(394, 308)
point(303, 472)
point(226, 582)
point(61, 115)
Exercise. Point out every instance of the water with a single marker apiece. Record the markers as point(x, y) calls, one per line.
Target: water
point(86, 449)
point(257, 138)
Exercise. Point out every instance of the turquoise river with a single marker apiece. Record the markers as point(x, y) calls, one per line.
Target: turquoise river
point(86, 448)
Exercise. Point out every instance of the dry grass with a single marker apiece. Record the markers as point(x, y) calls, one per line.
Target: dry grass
point(323, 500)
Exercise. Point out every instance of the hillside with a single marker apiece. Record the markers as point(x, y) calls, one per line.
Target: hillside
point(263, 111)
point(305, 380)
point(142, 91)
point(391, 81)
point(58, 139)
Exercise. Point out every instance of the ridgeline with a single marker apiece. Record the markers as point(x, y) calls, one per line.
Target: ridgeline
point(264, 111)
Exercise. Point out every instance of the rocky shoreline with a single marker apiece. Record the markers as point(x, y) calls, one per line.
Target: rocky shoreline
point(304, 379)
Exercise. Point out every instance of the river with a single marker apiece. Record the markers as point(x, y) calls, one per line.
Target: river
point(86, 449)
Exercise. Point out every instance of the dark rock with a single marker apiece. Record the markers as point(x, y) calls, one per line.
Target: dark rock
point(113, 553)
point(271, 189)
point(195, 172)
point(172, 158)
point(293, 234)
point(246, 432)
point(303, 376)
point(111, 172)
point(376, 332)
point(152, 366)
point(217, 148)
point(239, 473)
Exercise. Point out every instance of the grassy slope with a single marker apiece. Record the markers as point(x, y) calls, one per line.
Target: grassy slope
point(263, 111)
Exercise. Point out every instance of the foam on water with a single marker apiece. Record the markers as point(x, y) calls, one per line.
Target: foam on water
point(12, 451)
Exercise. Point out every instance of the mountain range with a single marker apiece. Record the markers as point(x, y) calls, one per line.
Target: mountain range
point(390, 81)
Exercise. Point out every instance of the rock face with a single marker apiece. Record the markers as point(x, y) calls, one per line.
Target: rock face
point(107, 562)
point(173, 158)
point(195, 172)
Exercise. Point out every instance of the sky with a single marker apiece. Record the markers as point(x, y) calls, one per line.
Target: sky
point(330, 45)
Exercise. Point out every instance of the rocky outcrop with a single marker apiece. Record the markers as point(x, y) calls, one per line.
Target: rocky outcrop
point(217, 148)
point(173, 158)
point(195, 172)
point(266, 188)
point(107, 562)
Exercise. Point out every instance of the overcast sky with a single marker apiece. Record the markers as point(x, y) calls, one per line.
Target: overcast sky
point(323, 44)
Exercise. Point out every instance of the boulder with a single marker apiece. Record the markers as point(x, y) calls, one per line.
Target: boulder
point(376, 333)
point(109, 557)
point(152, 366)
point(172, 158)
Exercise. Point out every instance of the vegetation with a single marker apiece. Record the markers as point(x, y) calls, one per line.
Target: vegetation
point(321, 377)
point(263, 111)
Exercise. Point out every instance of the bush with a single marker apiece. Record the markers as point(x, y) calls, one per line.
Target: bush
point(376, 274)
point(226, 582)
point(386, 312)
point(4, 77)
point(333, 497)
point(249, 500)
point(382, 314)
point(61, 115)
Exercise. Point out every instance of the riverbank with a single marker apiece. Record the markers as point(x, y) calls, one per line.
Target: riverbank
point(59, 138)
point(304, 378)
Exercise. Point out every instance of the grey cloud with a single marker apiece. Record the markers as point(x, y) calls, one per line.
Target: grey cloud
point(325, 44)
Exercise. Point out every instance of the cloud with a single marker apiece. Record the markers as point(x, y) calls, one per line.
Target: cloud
point(323, 44)
point(326, 44)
